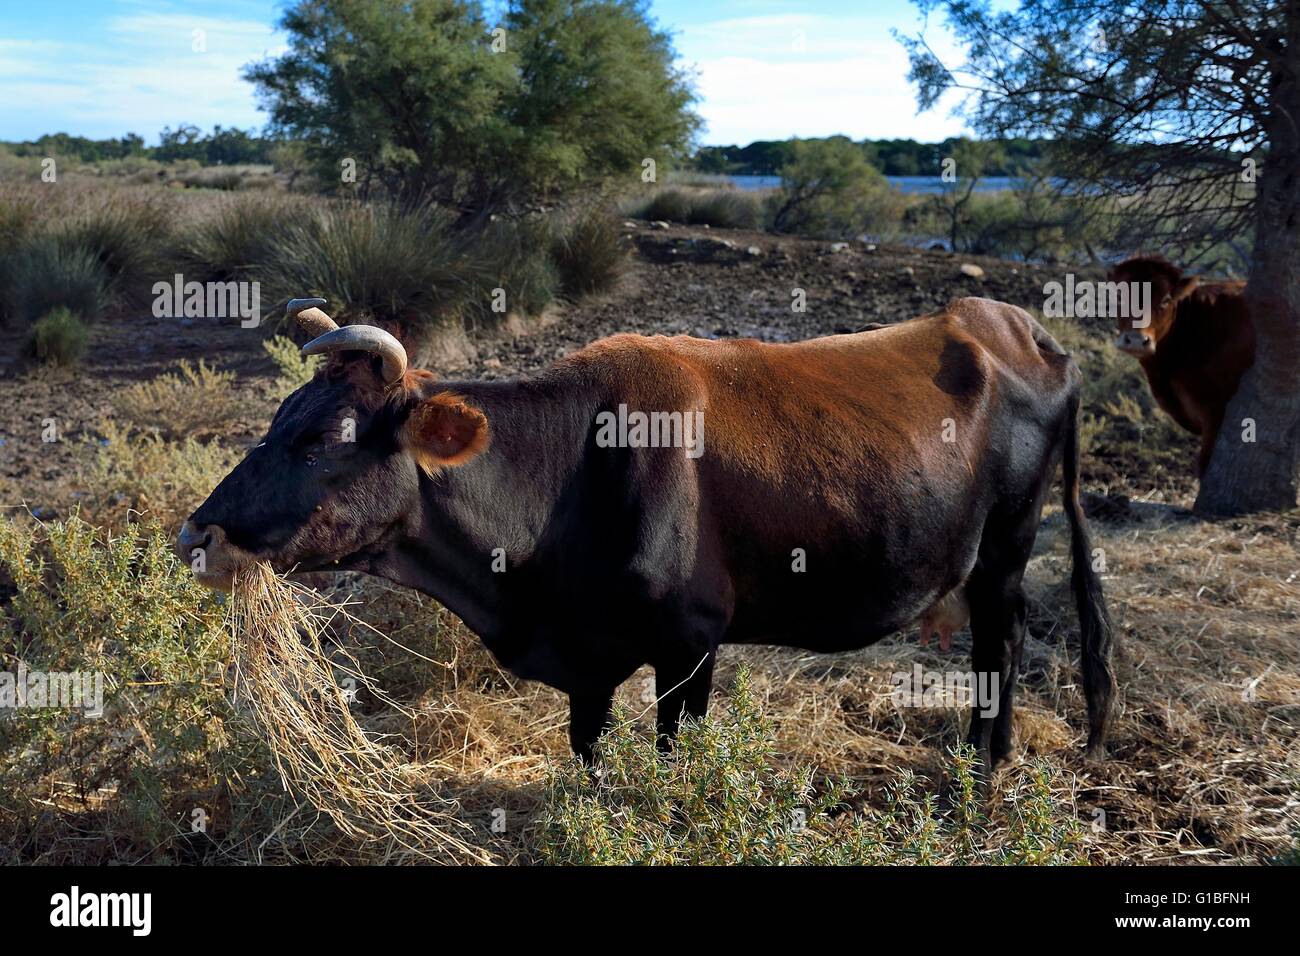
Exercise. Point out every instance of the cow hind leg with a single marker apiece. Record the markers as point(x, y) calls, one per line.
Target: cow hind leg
point(998, 612)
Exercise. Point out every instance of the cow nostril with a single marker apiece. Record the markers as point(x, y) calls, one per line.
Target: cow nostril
point(192, 537)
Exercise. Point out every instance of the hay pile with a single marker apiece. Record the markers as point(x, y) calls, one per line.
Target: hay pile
point(370, 791)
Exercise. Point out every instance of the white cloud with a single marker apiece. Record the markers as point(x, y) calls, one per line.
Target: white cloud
point(803, 75)
point(147, 71)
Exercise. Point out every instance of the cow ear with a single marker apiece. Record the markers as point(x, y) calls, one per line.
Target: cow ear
point(443, 431)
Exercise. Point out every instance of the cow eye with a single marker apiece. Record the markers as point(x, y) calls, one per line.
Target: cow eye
point(310, 459)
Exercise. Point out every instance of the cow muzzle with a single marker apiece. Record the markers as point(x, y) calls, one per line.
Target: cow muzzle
point(1136, 342)
point(212, 558)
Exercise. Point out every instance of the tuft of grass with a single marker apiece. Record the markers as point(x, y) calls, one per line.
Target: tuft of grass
point(195, 401)
point(719, 208)
point(58, 338)
point(722, 798)
point(513, 256)
point(295, 369)
point(589, 254)
point(129, 234)
point(237, 237)
point(45, 274)
point(400, 269)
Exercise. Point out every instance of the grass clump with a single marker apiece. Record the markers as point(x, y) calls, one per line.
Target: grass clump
point(719, 208)
point(129, 235)
point(723, 798)
point(46, 274)
point(195, 401)
point(588, 251)
point(237, 237)
point(58, 338)
point(400, 269)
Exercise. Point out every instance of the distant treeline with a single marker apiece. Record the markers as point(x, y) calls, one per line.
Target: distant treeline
point(893, 157)
point(223, 146)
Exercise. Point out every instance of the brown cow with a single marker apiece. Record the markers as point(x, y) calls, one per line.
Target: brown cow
point(819, 494)
point(1199, 342)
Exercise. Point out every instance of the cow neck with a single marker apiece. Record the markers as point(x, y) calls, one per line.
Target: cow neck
point(491, 512)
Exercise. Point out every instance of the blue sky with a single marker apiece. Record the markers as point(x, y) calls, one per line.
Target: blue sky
point(766, 69)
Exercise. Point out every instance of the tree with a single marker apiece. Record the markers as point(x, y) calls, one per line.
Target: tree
point(970, 160)
point(432, 102)
point(1190, 107)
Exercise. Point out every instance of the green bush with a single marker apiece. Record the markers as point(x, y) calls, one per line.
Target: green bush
point(58, 338)
point(829, 189)
point(122, 786)
point(195, 401)
point(722, 798)
point(45, 274)
point(237, 237)
point(295, 369)
point(589, 253)
point(720, 208)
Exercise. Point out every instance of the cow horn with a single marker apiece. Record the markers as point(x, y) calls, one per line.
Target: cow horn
point(309, 315)
point(363, 338)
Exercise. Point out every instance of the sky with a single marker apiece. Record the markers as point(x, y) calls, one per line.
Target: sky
point(765, 69)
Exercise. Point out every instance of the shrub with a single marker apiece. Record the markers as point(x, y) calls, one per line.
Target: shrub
point(121, 786)
point(722, 798)
point(194, 401)
point(670, 205)
point(58, 338)
point(589, 253)
point(144, 472)
point(295, 369)
point(45, 274)
point(726, 209)
point(829, 189)
point(513, 255)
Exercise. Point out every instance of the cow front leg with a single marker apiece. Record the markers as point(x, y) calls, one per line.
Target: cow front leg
point(682, 686)
point(588, 719)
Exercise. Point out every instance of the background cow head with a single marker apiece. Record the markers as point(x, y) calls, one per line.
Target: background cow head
point(337, 475)
point(1167, 287)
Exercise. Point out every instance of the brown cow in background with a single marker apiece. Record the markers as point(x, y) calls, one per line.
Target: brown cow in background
point(1199, 342)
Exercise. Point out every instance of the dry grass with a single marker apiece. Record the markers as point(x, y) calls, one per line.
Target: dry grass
point(369, 791)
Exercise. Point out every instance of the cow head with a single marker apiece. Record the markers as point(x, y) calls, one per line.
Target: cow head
point(1139, 335)
point(337, 476)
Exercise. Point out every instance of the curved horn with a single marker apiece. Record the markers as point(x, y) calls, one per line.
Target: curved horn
point(363, 338)
point(313, 321)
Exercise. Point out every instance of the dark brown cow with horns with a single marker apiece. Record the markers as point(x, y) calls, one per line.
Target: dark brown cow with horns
point(646, 500)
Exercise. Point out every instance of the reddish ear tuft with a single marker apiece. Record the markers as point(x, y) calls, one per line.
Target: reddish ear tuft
point(443, 431)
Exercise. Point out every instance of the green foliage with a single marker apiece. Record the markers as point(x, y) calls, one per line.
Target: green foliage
point(417, 95)
point(589, 253)
point(195, 401)
point(128, 234)
point(512, 255)
point(141, 471)
point(828, 189)
point(121, 785)
point(236, 237)
point(295, 369)
point(723, 799)
point(45, 274)
point(58, 338)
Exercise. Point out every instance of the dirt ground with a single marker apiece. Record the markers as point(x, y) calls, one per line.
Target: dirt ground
point(1205, 758)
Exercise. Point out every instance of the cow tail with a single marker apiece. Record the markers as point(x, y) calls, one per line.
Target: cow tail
point(1094, 620)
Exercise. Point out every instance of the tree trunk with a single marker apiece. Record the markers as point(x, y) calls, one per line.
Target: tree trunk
point(1264, 474)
